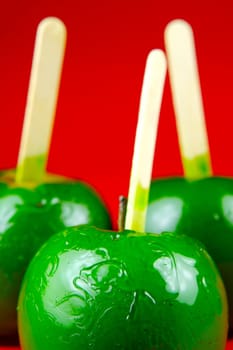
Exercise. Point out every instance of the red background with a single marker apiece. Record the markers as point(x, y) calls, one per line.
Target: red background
point(108, 41)
point(107, 45)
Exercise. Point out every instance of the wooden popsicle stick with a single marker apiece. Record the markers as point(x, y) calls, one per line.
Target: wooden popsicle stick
point(187, 100)
point(41, 100)
point(146, 133)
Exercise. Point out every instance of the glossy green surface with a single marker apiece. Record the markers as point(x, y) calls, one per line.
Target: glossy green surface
point(202, 209)
point(28, 217)
point(97, 290)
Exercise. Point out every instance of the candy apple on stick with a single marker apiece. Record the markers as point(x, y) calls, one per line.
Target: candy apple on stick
point(198, 205)
point(34, 205)
point(89, 288)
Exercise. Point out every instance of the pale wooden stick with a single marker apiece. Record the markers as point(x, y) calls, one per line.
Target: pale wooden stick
point(41, 100)
point(187, 99)
point(146, 133)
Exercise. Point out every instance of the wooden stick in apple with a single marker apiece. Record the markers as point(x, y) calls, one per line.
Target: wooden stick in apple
point(187, 100)
point(146, 133)
point(41, 100)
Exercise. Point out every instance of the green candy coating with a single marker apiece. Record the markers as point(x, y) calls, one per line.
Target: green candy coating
point(93, 289)
point(28, 217)
point(202, 209)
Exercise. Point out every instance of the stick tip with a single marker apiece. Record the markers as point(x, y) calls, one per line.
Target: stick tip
point(156, 55)
point(177, 26)
point(156, 63)
point(52, 24)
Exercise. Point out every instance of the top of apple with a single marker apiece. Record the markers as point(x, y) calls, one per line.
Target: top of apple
point(8, 177)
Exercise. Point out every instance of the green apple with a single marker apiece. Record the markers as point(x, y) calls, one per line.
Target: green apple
point(88, 288)
point(202, 209)
point(34, 205)
point(29, 215)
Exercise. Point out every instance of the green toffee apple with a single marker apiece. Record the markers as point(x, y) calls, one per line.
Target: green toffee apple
point(29, 215)
point(33, 204)
point(202, 209)
point(95, 289)
point(200, 205)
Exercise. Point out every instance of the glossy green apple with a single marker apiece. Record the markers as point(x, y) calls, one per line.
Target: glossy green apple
point(202, 209)
point(88, 288)
point(28, 217)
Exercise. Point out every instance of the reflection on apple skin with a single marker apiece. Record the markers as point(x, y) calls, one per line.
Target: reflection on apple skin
point(93, 289)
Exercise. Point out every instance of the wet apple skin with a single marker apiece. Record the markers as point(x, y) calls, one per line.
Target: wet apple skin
point(28, 217)
point(93, 289)
point(202, 209)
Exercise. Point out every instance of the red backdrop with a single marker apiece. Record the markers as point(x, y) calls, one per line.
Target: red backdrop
point(98, 102)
